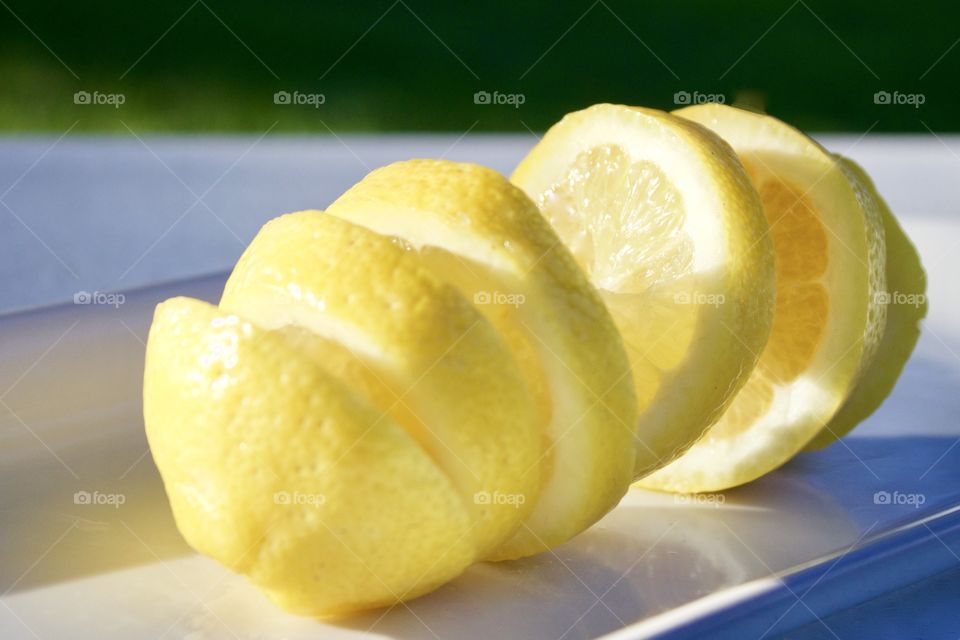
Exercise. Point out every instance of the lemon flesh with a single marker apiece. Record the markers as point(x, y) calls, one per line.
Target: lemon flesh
point(661, 216)
point(473, 229)
point(906, 302)
point(828, 238)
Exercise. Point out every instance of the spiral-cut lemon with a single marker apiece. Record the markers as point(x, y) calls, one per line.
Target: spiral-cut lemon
point(477, 231)
point(284, 473)
point(339, 369)
point(662, 217)
point(828, 236)
point(423, 377)
point(439, 358)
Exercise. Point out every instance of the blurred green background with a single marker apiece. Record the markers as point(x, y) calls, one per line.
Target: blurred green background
point(415, 65)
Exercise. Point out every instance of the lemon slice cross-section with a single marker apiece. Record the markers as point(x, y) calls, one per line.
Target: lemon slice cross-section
point(828, 238)
point(660, 214)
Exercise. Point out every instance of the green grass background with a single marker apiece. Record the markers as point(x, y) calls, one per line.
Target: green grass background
point(799, 61)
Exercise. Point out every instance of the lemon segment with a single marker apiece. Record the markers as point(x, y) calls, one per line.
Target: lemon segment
point(427, 348)
point(282, 472)
point(476, 231)
point(661, 216)
point(828, 238)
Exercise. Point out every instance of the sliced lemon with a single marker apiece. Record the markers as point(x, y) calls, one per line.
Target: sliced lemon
point(828, 238)
point(339, 374)
point(474, 229)
point(906, 302)
point(284, 473)
point(662, 217)
point(425, 346)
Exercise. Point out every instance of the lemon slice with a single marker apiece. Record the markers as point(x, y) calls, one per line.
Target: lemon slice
point(426, 347)
point(661, 216)
point(282, 472)
point(906, 302)
point(828, 238)
point(475, 230)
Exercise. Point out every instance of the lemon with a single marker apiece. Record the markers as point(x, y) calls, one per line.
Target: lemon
point(906, 303)
point(661, 216)
point(282, 472)
point(473, 229)
point(340, 371)
point(446, 368)
point(437, 356)
point(828, 322)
